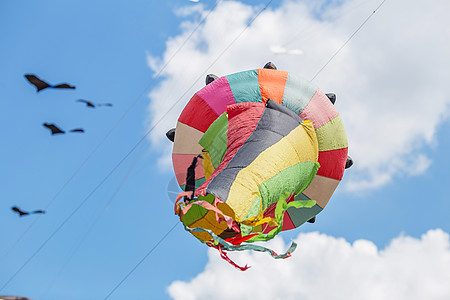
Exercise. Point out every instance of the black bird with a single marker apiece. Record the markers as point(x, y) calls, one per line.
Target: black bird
point(40, 84)
point(56, 130)
point(53, 128)
point(77, 130)
point(91, 104)
point(25, 213)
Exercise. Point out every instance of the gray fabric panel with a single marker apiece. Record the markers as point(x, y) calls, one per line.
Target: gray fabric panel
point(275, 123)
point(301, 215)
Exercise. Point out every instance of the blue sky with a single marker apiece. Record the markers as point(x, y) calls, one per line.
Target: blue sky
point(104, 217)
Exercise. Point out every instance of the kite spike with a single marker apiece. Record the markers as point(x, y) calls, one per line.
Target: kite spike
point(210, 78)
point(270, 65)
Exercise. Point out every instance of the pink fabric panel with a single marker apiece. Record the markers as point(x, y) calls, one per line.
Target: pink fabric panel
point(217, 95)
point(181, 162)
point(319, 110)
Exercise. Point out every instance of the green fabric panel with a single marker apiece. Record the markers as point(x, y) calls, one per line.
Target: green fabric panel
point(332, 135)
point(302, 214)
point(297, 93)
point(293, 179)
point(281, 207)
point(196, 212)
point(245, 230)
point(255, 208)
point(245, 86)
point(214, 140)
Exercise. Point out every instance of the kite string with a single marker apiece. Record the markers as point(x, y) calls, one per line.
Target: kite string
point(75, 210)
point(143, 259)
point(348, 40)
point(99, 214)
point(159, 242)
point(132, 149)
point(154, 127)
point(19, 239)
point(307, 32)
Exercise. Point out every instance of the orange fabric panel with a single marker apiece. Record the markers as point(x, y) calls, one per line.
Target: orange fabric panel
point(271, 84)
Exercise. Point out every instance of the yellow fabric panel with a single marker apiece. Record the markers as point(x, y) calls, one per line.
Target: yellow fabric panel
point(298, 146)
point(208, 167)
point(186, 140)
point(209, 221)
point(321, 189)
point(332, 135)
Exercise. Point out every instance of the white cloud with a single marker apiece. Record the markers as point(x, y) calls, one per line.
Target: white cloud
point(277, 49)
point(325, 267)
point(390, 80)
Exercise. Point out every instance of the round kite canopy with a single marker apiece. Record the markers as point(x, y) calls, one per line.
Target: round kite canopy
point(266, 148)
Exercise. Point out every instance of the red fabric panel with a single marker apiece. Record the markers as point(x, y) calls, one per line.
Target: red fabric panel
point(197, 114)
point(181, 163)
point(270, 212)
point(242, 120)
point(332, 163)
point(287, 222)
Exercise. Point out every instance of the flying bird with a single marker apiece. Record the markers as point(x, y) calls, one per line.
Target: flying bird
point(25, 213)
point(40, 84)
point(93, 105)
point(56, 130)
point(77, 130)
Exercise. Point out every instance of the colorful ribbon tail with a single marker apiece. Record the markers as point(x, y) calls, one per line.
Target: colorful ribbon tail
point(180, 196)
point(258, 248)
point(225, 257)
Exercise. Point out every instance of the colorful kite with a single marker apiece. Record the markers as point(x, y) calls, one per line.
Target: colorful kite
point(256, 153)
